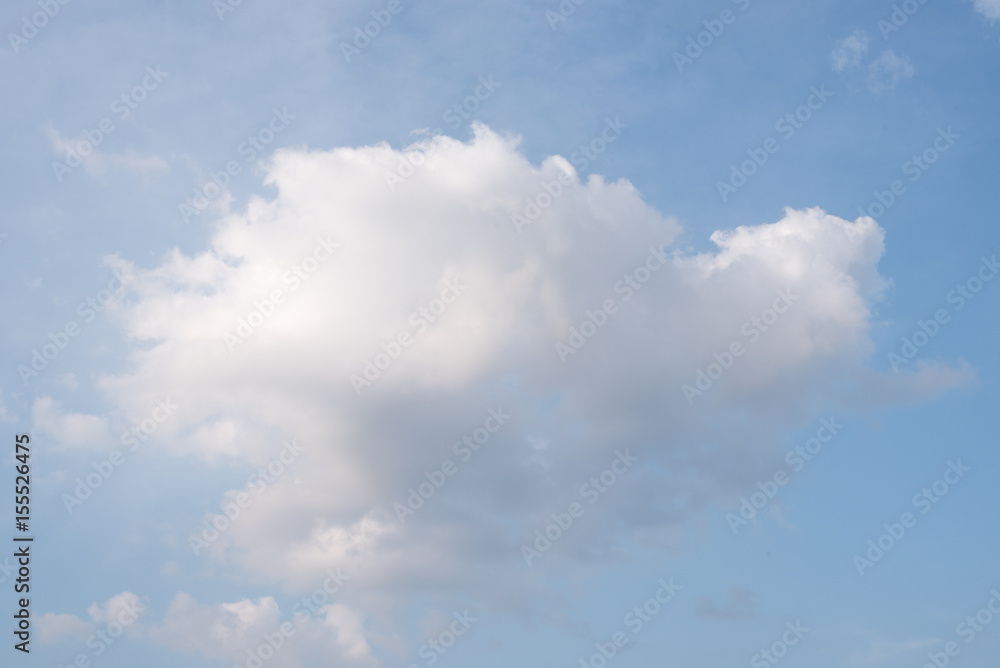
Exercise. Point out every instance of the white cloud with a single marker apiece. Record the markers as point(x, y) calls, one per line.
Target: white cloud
point(348, 627)
point(232, 631)
point(849, 51)
point(988, 8)
point(219, 632)
point(121, 610)
point(888, 70)
point(97, 163)
point(118, 607)
point(68, 429)
point(69, 381)
point(54, 627)
point(494, 346)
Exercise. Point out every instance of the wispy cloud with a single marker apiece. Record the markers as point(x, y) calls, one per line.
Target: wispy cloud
point(888, 70)
point(988, 8)
point(738, 605)
point(850, 51)
point(98, 163)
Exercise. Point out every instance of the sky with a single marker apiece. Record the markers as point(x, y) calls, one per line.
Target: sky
point(596, 333)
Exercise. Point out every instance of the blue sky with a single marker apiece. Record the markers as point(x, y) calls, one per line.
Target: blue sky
point(352, 194)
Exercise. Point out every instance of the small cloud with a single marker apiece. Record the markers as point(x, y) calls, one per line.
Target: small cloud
point(69, 381)
point(115, 609)
point(538, 443)
point(121, 609)
point(988, 8)
point(849, 52)
point(739, 606)
point(888, 70)
point(881, 651)
point(348, 627)
point(54, 627)
point(68, 429)
point(132, 161)
point(225, 632)
point(97, 163)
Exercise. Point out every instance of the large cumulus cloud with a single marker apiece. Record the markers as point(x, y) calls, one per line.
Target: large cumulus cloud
point(354, 259)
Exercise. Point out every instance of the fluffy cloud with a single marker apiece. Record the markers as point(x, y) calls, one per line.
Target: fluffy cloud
point(68, 429)
point(235, 632)
point(849, 51)
point(117, 615)
point(888, 70)
point(988, 8)
point(54, 627)
point(255, 367)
